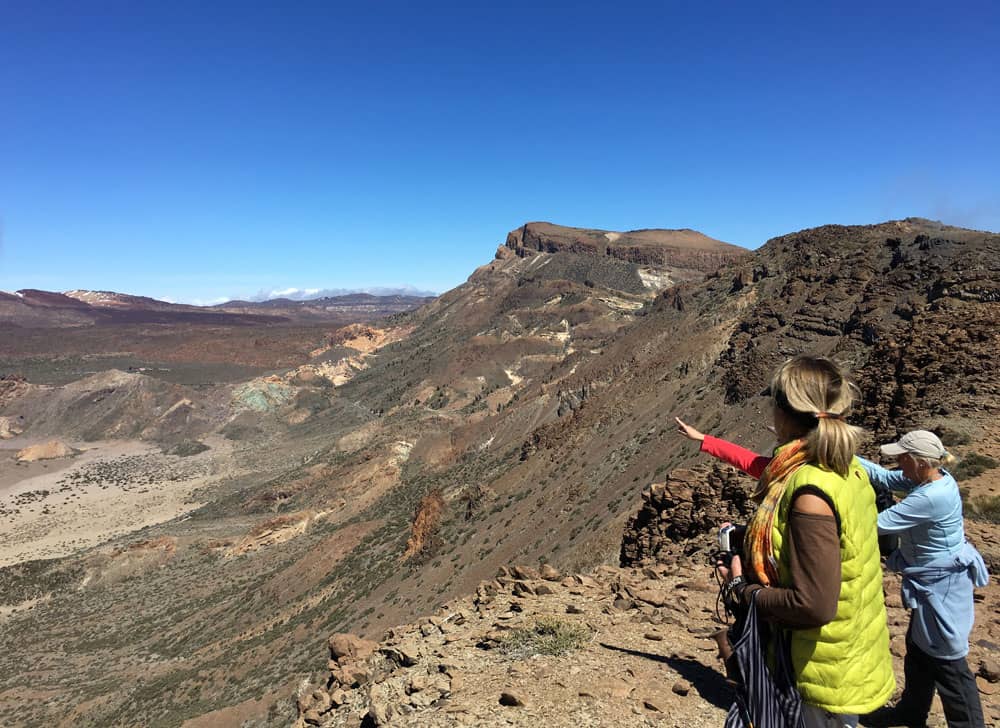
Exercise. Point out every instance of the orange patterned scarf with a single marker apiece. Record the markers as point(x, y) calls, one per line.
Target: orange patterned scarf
point(758, 548)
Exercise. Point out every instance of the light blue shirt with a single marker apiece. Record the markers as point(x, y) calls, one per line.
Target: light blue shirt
point(940, 595)
point(939, 567)
point(928, 520)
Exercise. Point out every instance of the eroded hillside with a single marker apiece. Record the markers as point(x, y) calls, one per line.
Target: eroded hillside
point(516, 419)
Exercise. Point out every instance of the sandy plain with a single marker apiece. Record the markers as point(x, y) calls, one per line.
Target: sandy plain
point(54, 508)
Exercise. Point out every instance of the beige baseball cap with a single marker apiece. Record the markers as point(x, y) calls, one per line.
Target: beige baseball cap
point(921, 443)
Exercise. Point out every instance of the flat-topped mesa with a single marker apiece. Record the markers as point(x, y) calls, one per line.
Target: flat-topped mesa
point(675, 248)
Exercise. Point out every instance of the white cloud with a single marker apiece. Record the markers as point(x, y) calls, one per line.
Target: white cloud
point(208, 302)
point(285, 293)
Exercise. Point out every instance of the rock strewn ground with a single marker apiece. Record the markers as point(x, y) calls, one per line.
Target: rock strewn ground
point(651, 659)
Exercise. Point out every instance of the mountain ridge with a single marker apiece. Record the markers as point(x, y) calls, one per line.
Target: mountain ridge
point(36, 308)
point(516, 418)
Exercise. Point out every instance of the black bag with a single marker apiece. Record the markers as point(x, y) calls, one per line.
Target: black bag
point(763, 699)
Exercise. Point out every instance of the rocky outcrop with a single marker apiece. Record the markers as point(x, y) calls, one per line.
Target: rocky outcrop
point(426, 523)
point(531, 647)
point(11, 427)
point(682, 511)
point(903, 288)
point(687, 249)
point(629, 646)
point(50, 450)
point(12, 386)
point(275, 531)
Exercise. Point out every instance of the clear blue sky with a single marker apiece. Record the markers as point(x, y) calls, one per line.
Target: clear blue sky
point(198, 150)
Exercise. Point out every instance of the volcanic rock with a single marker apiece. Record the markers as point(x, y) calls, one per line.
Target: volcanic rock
point(10, 427)
point(690, 504)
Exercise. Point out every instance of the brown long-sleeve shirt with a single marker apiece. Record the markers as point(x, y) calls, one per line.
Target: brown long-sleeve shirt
point(813, 546)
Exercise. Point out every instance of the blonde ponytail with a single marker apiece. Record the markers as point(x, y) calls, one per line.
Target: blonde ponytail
point(815, 394)
point(945, 461)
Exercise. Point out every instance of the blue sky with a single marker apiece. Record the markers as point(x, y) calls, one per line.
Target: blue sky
point(197, 151)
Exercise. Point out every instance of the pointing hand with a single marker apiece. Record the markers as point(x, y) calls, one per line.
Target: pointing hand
point(687, 431)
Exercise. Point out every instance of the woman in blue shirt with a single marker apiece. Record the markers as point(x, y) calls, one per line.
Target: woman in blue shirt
point(940, 569)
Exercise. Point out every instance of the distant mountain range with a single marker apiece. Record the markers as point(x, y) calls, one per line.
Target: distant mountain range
point(31, 308)
point(326, 307)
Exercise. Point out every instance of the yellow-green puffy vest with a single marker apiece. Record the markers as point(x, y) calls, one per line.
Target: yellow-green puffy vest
point(845, 665)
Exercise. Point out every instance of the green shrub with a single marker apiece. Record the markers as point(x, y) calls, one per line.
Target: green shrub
point(955, 437)
point(985, 508)
point(549, 636)
point(972, 465)
point(187, 448)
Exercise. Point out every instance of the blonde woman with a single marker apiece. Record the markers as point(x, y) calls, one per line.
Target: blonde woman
point(940, 569)
point(811, 548)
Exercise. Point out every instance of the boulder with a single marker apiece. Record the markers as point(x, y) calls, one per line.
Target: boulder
point(50, 450)
point(656, 597)
point(521, 589)
point(549, 573)
point(348, 647)
point(988, 670)
point(524, 573)
point(655, 704)
point(510, 698)
point(350, 674)
point(406, 654)
point(688, 506)
point(10, 427)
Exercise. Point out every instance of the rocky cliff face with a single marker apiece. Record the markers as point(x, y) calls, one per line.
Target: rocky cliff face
point(680, 249)
point(906, 304)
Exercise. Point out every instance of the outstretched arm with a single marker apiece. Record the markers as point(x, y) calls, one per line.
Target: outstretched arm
point(884, 478)
point(746, 460)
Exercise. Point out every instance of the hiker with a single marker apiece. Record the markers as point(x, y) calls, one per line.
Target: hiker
point(811, 548)
point(940, 569)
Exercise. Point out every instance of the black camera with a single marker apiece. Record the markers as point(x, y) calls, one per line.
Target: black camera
point(731, 538)
point(730, 543)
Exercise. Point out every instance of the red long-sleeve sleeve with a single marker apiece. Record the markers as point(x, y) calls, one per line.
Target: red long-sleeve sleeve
point(746, 460)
